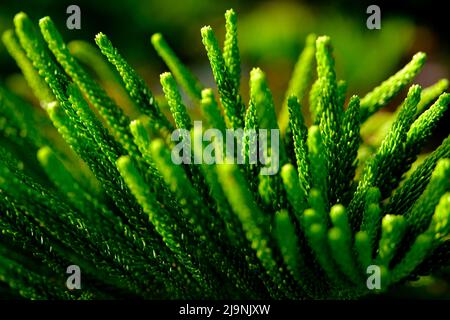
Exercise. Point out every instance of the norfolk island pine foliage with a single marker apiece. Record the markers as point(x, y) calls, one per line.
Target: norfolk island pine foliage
point(82, 183)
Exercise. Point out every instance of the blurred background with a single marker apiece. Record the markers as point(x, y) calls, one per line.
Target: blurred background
point(271, 35)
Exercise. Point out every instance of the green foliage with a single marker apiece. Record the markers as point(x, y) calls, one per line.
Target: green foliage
point(300, 79)
point(186, 79)
point(226, 72)
point(382, 94)
point(135, 86)
point(173, 97)
point(81, 183)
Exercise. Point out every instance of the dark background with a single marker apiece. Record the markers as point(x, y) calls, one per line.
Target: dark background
point(271, 32)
